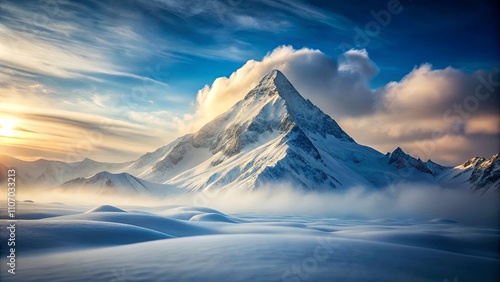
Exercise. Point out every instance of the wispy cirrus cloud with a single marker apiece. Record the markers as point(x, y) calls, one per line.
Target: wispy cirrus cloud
point(305, 10)
point(85, 39)
point(142, 62)
point(57, 45)
point(71, 136)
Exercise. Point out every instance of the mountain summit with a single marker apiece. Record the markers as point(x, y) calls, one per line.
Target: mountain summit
point(402, 160)
point(275, 87)
point(272, 135)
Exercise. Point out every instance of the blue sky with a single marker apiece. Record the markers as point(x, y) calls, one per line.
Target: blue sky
point(125, 60)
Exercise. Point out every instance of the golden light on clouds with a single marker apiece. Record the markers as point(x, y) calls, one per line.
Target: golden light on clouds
point(31, 133)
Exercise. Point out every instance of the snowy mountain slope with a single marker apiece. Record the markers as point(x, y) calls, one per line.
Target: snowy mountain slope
point(260, 139)
point(487, 174)
point(480, 173)
point(122, 183)
point(400, 160)
point(272, 135)
point(144, 164)
point(19, 180)
point(47, 173)
point(58, 172)
point(28, 170)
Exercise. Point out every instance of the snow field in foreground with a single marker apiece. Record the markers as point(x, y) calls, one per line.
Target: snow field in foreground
point(183, 243)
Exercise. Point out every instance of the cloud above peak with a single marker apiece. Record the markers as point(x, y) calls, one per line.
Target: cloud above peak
point(358, 61)
point(424, 112)
point(104, 57)
point(314, 74)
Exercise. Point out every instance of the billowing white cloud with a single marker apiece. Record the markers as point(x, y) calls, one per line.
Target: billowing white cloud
point(357, 62)
point(443, 114)
point(314, 74)
point(427, 112)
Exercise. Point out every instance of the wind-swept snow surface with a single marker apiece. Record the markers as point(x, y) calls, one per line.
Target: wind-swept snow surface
point(185, 243)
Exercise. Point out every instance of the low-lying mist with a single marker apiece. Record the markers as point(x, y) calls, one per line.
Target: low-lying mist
point(423, 202)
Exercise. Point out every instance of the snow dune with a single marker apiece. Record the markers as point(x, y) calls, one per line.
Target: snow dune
point(186, 243)
point(35, 235)
point(105, 208)
point(169, 226)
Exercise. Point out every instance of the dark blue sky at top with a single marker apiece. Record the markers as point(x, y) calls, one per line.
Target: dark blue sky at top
point(461, 34)
point(187, 44)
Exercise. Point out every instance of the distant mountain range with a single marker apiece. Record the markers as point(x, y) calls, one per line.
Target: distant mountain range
point(273, 135)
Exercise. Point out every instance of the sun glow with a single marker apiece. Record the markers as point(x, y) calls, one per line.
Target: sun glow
point(7, 126)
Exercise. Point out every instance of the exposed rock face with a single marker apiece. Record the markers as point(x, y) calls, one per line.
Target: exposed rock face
point(401, 160)
point(485, 174)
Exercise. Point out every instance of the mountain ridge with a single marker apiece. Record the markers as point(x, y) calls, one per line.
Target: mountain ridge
point(105, 182)
point(273, 109)
point(403, 160)
point(272, 135)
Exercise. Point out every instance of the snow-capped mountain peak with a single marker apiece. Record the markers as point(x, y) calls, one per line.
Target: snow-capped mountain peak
point(401, 160)
point(480, 173)
point(276, 91)
point(472, 162)
point(272, 135)
point(486, 174)
point(120, 183)
point(274, 83)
